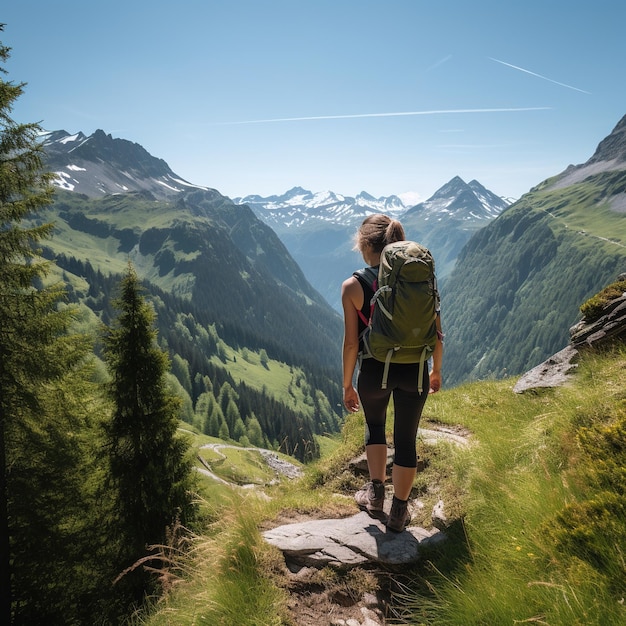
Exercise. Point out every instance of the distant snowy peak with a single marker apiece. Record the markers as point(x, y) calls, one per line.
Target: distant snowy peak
point(97, 165)
point(492, 204)
point(461, 200)
point(299, 207)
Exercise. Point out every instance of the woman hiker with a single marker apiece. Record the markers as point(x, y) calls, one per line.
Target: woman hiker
point(373, 235)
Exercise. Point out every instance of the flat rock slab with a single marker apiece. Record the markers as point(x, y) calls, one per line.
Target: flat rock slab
point(553, 372)
point(350, 541)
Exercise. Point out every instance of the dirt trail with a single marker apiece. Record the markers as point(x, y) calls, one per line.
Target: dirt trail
point(313, 599)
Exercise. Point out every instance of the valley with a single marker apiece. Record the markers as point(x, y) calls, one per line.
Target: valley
point(282, 259)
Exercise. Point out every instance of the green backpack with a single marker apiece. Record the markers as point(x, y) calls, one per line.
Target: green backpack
point(402, 324)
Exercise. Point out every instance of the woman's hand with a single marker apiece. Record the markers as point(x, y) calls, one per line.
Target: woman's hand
point(435, 374)
point(435, 381)
point(351, 399)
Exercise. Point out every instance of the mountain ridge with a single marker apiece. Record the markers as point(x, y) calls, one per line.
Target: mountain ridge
point(519, 281)
point(232, 289)
point(300, 208)
point(609, 156)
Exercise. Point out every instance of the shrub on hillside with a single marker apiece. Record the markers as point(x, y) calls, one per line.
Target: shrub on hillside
point(593, 308)
point(593, 529)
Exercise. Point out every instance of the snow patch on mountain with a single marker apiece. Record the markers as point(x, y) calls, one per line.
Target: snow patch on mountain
point(64, 181)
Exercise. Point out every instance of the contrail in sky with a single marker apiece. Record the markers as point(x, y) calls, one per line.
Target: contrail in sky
point(441, 62)
point(556, 82)
point(399, 114)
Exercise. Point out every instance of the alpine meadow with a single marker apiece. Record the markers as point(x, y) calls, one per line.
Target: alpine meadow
point(172, 436)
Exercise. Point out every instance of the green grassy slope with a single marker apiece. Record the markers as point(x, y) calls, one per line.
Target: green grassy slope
point(538, 496)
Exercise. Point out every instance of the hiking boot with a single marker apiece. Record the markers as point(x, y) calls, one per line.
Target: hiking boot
point(399, 516)
point(371, 497)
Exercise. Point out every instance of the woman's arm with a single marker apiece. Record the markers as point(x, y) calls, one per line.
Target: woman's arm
point(435, 374)
point(352, 301)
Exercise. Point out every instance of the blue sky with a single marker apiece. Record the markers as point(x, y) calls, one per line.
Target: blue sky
point(388, 97)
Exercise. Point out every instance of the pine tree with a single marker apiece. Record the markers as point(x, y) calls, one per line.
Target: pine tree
point(40, 450)
point(254, 432)
point(149, 463)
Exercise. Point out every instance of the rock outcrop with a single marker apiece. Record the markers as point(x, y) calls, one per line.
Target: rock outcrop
point(556, 370)
point(610, 327)
point(553, 372)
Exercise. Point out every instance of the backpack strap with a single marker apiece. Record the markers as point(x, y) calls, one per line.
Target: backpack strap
point(383, 384)
point(381, 306)
point(420, 375)
point(368, 277)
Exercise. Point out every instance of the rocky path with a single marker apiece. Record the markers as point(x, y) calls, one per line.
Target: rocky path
point(359, 546)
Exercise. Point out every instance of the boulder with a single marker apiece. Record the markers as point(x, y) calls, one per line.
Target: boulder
point(553, 372)
point(610, 326)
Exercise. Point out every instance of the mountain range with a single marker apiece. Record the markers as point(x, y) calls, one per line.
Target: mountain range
point(299, 208)
point(318, 228)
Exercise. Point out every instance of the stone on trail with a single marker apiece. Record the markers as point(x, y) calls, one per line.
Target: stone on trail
point(348, 542)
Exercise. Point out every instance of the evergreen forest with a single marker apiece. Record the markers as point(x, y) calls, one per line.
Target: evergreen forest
point(106, 376)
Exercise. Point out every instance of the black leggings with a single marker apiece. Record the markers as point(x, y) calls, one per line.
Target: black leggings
point(408, 405)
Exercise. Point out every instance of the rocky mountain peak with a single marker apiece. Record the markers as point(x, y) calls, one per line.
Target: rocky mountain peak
point(98, 165)
point(100, 146)
point(610, 156)
point(612, 147)
point(460, 200)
